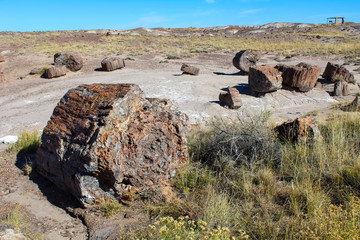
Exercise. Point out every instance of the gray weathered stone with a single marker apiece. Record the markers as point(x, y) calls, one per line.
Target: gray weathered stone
point(112, 63)
point(190, 69)
point(245, 59)
point(72, 61)
point(56, 71)
point(341, 88)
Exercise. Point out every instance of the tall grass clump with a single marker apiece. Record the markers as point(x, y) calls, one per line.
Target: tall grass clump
point(27, 142)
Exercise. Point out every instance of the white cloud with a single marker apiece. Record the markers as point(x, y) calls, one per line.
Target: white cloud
point(209, 1)
point(251, 11)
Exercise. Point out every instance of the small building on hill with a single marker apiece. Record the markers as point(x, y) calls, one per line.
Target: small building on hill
point(336, 20)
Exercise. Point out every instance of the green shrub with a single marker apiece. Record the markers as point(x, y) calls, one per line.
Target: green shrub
point(27, 142)
point(110, 207)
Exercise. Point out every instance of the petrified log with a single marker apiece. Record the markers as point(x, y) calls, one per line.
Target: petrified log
point(2, 59)
point(245, 59)
point(299, 129)
point(264, 79)
point(72, 61)
point(341, 88)
point(231, 98)
point(334, 72)
point(108, 140)
point(190, 69)
point(112, 63)
point(56, 71)
point(303, 76)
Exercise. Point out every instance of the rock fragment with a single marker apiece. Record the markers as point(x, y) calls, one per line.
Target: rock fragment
point(264, 79)
point(298, 130)
point(56, 71)
point(109, 141)
point(334, 72)
point(341, 88)
point(231, 98)
point(2, 59)
point(72, 61)
point(112, 63)
point(190, 69)
point(245, 59)
point(302, 77)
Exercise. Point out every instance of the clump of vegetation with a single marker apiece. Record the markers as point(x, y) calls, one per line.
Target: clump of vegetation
point(168, 228)
point(243, 179)
point(15, 218)
point(27, 142)
point(110, 207)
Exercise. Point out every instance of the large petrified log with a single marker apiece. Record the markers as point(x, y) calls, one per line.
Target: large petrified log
point(245, 59)
point(264, 79)
point(72, 61)
point(189, 69)
point(56, 71)
point(299, 129)
point(112, 63)
point(231, 98)
point(303, 76)
point(110, 141)
point(334, 72)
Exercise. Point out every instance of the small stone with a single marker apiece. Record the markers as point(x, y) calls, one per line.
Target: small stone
point(2, 59)
point(72, 61)
point(341, 88)
point(299, 129)
point(112, 63)
point(245, 59)
point(56, 71)
point(190, 69)
point(231, 98)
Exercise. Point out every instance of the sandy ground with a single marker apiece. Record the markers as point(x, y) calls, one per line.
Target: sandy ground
point(27, 104)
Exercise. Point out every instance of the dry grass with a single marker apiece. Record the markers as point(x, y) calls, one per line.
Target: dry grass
point(49, 43)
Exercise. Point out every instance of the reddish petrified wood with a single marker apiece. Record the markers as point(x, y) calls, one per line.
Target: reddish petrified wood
point(264, 79)
point(334, 72)
point(110, 141)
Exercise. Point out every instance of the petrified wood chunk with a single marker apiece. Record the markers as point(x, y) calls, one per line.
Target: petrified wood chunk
point(231, 98)
point(302, 76)
point(245, 59)
point(112, 63)
point(190, 69)
point(56, 71)
point(335, 72)
point(299, 129)
point(264, 79)
point(341, 88)
point(2, 59)
point(108, 140)
point(72, 61)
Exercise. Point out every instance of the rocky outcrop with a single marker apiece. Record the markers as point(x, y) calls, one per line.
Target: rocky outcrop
point(334, 72)
point(231, 98)
point(112, 63)
point(245, 59)
point(341, 88)
point(10, 234)
point(56, 71)
point(302, 77)
point(190, 69)
point(299, 129)
point(72, 61)
point(264, 79)
point(109, 141)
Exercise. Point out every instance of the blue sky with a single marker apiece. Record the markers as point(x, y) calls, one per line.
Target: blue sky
point(27, 15)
